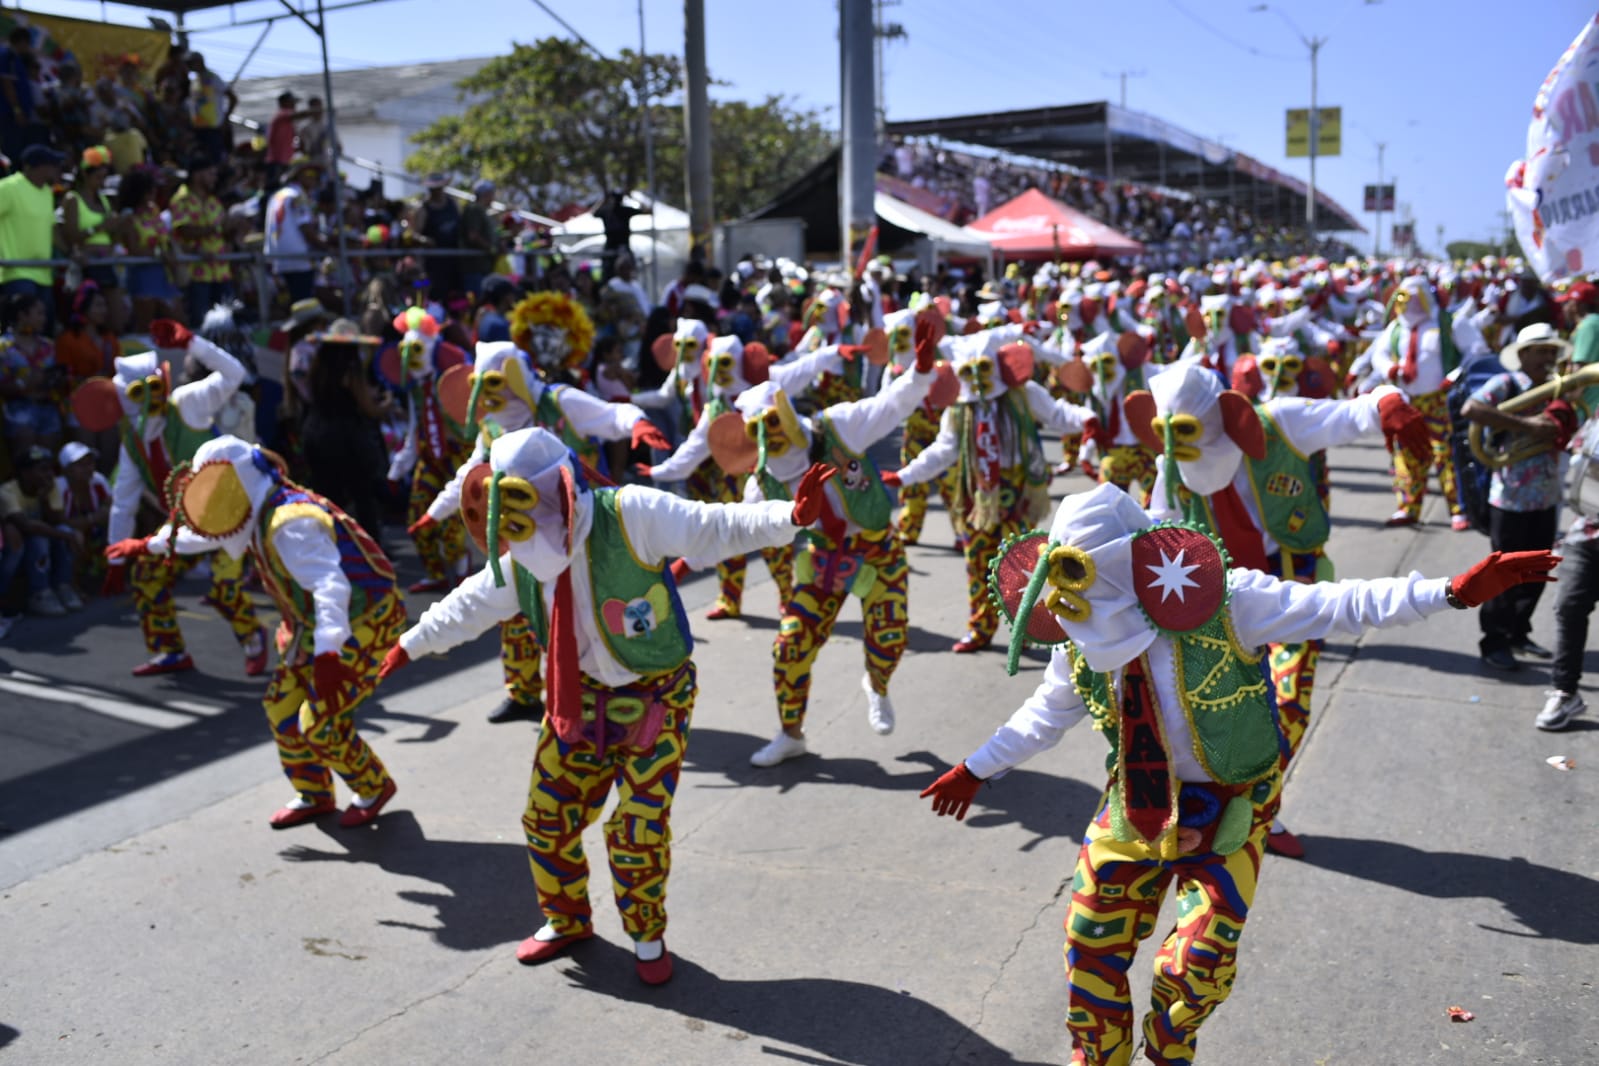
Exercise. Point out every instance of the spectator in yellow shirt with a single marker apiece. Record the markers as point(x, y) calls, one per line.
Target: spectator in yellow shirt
point(27, 223)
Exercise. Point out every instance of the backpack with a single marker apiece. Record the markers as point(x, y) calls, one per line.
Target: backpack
point(1472, 478)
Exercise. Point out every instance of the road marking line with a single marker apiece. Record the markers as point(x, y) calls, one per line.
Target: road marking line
point(171, 715)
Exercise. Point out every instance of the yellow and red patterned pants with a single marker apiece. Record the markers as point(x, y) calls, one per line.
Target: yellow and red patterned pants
point(313, 744)
point(708, 484)
point(1116, 896)
point(1123, 464)
point(920, 431)
point(1410, 477)
point(808, 619)
point(151, 581)
point(441, 545)
point(520, 657)
point(569, 788)
point(982, 548)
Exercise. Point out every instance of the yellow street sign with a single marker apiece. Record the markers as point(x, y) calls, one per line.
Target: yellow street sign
point(1329, 138)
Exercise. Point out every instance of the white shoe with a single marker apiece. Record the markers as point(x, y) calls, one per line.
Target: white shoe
point(1559, 709)
point(782, 748)
point(69, 597)
point(44, 602)
point(879, 711)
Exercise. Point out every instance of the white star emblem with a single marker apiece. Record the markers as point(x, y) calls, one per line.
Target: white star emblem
point(1172, 576)
point(1099, 930)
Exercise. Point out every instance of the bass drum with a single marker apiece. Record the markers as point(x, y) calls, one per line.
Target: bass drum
point(1582, 490)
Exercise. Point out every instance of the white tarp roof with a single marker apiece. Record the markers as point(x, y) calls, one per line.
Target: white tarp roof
point(664, 219)
point(943, 233)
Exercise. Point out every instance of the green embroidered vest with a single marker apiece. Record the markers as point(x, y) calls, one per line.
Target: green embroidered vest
point(866, 501)
point(636, 606)
point(548, 414)
point(180, 439)
point(1285, 488)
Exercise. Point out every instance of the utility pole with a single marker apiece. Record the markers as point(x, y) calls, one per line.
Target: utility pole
point(644, 108)
point(1315, 44)
point(881, 32)
point(697, 129)
point(1376, 236)
point(1123, 75)
point(858, 162)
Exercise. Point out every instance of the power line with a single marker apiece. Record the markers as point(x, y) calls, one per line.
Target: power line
point(1251, 49)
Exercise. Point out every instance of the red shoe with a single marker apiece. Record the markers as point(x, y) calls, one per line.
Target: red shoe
point(969, 643)
point(354, 816)
point(722, 610)
point(290, 816)
point(431, 584)
point(657, 971)
point(533, 951)
point(255, 663)
point(1284, 843)
point(1460, 523)
point(1401, 518)
point(173, 662)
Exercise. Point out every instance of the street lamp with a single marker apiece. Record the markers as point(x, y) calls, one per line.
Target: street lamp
point(1314, 44)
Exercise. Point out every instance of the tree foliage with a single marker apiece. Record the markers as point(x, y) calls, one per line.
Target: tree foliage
point(551, 122)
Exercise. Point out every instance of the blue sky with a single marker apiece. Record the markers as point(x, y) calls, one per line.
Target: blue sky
point(1447, 84)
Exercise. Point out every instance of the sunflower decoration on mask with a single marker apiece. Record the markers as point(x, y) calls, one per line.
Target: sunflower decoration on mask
point(554, 329)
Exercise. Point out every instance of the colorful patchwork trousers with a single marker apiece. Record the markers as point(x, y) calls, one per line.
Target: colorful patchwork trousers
point(708, 484)
point(520, 657)
point(1410, 476)
point(441, 545)
point(1123, 464)
point(982, 548)
point(809, 616)
point(920, 431)
point(152, 579)
point(315, 743)
point(569, 788)
point(1293, 666)
point(1116, 896)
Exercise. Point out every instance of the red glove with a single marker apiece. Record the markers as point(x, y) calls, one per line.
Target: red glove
point(642, 469)
point(116, 581)
point(848, 352)
point(953, 792)
point(169, 334)
point(809, 497)
point(395, 659)
point(1501, 571)
point(680, 569)
point(1349, 382)
point(1564, 416)
point(1335, 348)
point(1404, 426)
point(646, 433)
point(926, 346)
point(1032, 328)
point(419, 525)
point(891, 478)
point(123, 550)
point(331, 679)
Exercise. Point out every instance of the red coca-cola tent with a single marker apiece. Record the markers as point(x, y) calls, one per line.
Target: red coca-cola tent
point(1033, 226)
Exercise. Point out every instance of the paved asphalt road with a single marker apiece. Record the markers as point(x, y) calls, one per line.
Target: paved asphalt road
point(820, 914)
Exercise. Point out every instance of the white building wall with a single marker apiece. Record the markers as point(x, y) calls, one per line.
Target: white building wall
point(383, 143)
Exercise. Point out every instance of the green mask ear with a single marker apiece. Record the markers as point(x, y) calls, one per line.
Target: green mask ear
point(760, 446)
point(1018, 631)
point(493, 532)
point(471, 406)
point(1173, 475)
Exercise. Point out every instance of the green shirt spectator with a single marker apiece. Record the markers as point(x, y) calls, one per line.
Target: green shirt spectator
point(28, 214)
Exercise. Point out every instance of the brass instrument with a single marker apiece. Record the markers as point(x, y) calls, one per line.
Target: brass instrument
point(1515, 447)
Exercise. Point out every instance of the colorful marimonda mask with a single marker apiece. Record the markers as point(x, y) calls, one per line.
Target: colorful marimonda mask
point(221, 491)
point(530, 500)
point(502, 386)
point(771, 422)
point(1413, 301)
point(143, 385)
point(901, 329)
point(689, 342)
point(1203, 430)
point(419, 336)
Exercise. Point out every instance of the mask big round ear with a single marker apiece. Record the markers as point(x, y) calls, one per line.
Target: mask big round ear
point(757, 362)
point(1242, 424)
point(731, 447)
point(1133, 349)
point(1074, 376)
point(946, 386)
point(1194, 320)
point(455, 393)
point(876, 342)
point(1016, 365)
point(1246, 377)
point(96, 405)
point(475, 504)
point(1140, 410)
point(664, 351)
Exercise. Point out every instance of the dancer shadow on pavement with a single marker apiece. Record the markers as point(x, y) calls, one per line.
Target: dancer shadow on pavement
point(1554, 904)
point(485, 886)
point(1045, 805)
point(846, 1021)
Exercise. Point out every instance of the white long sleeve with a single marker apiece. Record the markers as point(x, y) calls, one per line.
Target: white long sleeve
point(660, 398)
point(1266, 609)
point(197, 403)
point(590, 416)
point(126, 490)
point(471, 607)
point(862, 423)
point(1035, 726)
point(448, 501)
point(937, 457)
point(795, 375)
point(1316, 425)
point(405, 457)
point(1058, 415)
point(694, 450)
point(1053, 354)
point(661, 526)
point(310, 554)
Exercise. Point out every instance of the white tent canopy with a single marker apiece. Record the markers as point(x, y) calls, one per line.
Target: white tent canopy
point(945, 235)
point(664, 219)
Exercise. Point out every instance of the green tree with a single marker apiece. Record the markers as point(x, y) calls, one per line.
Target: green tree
point(552, 122)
